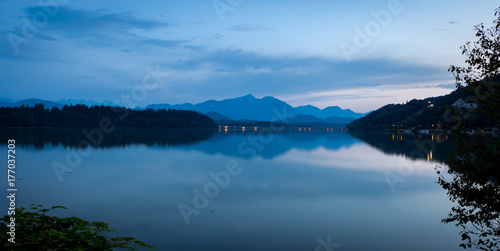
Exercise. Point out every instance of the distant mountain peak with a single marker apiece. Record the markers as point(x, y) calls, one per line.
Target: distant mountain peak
point(248, 97)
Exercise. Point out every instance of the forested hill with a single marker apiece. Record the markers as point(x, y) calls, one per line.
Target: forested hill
point(84, 116)
point(429, 113)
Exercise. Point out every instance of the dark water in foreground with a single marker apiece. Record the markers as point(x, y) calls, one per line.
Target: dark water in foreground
point(244, 190)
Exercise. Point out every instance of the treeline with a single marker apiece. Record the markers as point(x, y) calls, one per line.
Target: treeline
point(83, 116)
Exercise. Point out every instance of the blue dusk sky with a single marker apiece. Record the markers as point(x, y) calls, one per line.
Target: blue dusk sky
point(355, 54)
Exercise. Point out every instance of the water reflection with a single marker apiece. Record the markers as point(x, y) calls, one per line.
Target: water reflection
point(299, 185)
point(228, 141)
point(428, 147)
point(71, 137)
point(269, 144)
point(207, 141)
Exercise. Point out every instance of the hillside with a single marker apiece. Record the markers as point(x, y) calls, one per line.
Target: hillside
point(217, 116)
point(429, 113)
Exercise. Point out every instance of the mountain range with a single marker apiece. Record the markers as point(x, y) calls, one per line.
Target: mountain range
point(246, 108)
point(265, 109)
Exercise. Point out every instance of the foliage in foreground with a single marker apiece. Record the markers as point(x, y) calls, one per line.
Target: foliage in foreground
point(38, 231)
point(474, 166)
point(474, 186)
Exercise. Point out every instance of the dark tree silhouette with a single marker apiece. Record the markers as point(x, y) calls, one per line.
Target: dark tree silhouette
point(83, 116)
point(475, 165)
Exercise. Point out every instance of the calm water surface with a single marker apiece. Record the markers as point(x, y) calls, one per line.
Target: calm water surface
point(282, 191)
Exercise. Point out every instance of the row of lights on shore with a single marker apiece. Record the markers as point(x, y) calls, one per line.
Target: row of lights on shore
point(438, 137)
point(255, 129)
point(243, 128)
point(438, 125)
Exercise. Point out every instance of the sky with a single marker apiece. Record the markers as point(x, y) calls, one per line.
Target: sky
point(358, 55)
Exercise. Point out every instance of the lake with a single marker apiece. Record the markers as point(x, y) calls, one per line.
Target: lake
point(235, 189)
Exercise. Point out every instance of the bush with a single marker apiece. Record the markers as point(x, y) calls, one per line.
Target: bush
point(38, 231)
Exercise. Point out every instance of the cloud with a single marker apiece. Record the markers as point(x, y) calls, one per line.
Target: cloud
point(230, 73)
point(368, 72)
point(195, 48)
point(99, 28)
point(249, 27)
point(97, 20)
point(259, 70)
point(45, 37)
point(163, 42)
point(26, 49)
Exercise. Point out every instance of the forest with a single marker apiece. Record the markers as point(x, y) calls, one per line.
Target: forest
point(82, 116)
